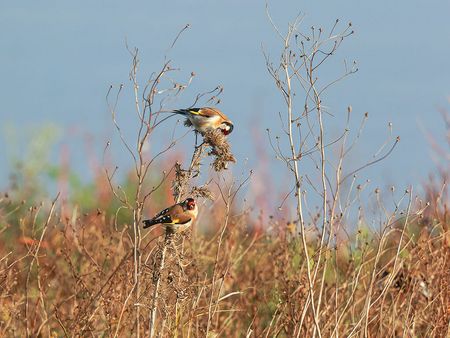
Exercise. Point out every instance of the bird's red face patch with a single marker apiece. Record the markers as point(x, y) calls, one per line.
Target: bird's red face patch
point(190, 204)
point(226, 128)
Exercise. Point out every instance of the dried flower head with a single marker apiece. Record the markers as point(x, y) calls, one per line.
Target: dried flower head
point(220, 149)
point(180, 181)
point(201, 191)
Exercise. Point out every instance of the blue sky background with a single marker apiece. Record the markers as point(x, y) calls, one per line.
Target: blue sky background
point(58, 58)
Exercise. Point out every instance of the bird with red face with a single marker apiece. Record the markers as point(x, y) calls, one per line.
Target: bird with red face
point(177, 217)
point(207, 118)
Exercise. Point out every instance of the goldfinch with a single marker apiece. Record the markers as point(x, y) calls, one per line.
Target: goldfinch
point(176, 218)
point(207, 118)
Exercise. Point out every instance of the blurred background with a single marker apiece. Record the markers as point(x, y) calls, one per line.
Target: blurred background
point(58, 60)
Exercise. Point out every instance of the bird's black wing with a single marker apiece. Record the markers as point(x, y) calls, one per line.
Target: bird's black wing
point(165, 219)
point(171, 215)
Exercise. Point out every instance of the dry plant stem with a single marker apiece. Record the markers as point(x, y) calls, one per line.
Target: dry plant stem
point(137, 210)
point(154, 306)
point(213, 283)
point(148, 121)
point(288, 97)
point(129, 294)
point(194, 306)
point(338, 176)
point(36, 259)
point(368, 301)
point(368, 298)
point(332, 219)
point(355, 282)
point(196, 157)
point(324, 189)
point(308, 54)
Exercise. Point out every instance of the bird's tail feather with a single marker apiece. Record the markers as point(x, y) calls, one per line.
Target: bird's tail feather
point(183, 112)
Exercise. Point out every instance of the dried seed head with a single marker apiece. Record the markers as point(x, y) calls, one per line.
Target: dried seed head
point(201, 191)
point(181, 179)
point(220, 149)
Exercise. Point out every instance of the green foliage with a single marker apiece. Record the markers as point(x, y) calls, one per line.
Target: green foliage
point(30, 161)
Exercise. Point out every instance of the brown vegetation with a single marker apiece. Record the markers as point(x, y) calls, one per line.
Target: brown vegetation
point(341, 269)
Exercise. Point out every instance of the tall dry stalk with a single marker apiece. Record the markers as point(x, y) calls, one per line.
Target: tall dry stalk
point(302, 86)
point(148, 105)
point(158, 90)
point(180, 185)
point(221, 151)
